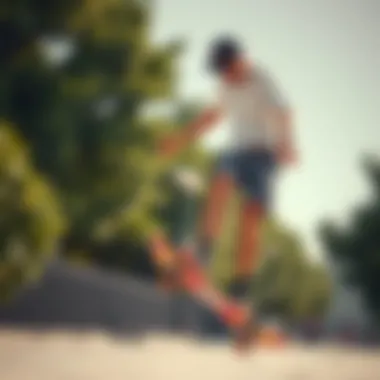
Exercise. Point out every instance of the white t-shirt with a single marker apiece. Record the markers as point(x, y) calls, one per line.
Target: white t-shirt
point(247, 107)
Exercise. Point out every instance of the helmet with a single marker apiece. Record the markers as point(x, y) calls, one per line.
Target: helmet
point(222, 53)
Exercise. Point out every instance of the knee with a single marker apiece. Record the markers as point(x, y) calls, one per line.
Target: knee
point(254, 208)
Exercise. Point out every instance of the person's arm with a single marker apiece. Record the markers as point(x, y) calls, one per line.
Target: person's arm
point(283, 120)
point(203, 123)
point(280, 114)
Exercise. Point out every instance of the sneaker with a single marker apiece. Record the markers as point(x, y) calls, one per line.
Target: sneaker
point(245, 335)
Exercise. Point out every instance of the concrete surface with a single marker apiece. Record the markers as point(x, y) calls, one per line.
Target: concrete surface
point(72, 356)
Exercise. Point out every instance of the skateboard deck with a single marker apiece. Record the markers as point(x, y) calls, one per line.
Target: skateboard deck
point(181, 270)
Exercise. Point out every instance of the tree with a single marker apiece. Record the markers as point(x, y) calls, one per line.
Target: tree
point(76, 74)
point(30, 219)
point(289, 284)
point(355, 249)
point(313, 295)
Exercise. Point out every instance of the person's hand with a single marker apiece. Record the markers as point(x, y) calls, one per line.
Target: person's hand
point(287, 156)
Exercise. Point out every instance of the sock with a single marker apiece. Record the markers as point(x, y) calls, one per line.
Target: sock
point(240, 288)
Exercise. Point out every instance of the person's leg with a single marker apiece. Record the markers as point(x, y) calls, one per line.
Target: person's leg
point(221, 188)
point(255, 172)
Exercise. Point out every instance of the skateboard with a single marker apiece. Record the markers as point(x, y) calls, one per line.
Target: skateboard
point(180, 269)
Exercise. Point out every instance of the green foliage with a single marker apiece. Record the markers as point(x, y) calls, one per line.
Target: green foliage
point(356, 248)
point(30, 219)
point(80, 115)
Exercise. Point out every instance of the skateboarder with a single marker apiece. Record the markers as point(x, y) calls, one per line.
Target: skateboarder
point(258, 144)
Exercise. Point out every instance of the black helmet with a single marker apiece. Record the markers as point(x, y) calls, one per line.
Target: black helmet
point(223, 52)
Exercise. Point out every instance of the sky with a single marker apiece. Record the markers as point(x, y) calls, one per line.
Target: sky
point(325, 56)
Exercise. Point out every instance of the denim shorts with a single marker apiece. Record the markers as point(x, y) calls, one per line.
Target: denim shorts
point(252, 171)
